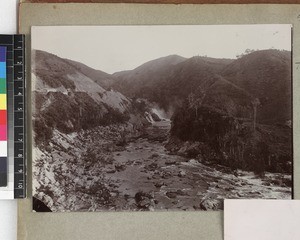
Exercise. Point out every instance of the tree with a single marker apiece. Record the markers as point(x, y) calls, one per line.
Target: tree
point(255, 102)
point(195, 100)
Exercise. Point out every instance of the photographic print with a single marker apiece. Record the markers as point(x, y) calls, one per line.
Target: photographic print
point(160, 118)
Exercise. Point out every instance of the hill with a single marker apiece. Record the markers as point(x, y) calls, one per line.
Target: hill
point(67, 99)
point(242, 119)
point(262, 76)
point(266, 75)
point(233, 112)
point(167, 81)
point(102, 78)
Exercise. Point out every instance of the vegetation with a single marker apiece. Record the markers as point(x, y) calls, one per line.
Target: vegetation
point(231, 141)
point(69, 114)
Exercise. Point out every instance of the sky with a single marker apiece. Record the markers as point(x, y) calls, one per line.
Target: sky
point(117, 48)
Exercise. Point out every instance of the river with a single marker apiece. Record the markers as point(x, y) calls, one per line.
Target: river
point(146, 177)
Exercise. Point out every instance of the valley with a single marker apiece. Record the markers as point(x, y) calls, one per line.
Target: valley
point(140, 175)
point(172, 134)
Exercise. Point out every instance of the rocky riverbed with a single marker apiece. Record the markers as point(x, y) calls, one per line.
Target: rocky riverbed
point(170, 182)
point(108, 169)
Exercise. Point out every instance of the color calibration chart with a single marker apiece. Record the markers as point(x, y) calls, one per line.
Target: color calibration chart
point(3, 118)
point(12, 117)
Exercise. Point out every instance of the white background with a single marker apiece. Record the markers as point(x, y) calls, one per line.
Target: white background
point(262, 220)
point(8, 208)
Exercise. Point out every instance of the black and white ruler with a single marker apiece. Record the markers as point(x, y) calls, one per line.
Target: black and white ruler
point(15, 64)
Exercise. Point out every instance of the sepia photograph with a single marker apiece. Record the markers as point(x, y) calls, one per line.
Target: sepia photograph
point(160, 117)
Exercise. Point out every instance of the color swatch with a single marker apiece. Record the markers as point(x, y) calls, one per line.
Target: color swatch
point(3, 118)
point(12, 117)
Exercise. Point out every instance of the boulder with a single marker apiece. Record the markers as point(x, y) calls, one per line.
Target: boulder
point(171, 194)
point(111, 170)
point(182, 173)
point(154, 155)
point(144, 201)
point(159, 184)
point(152, 166)
point(120, 167)
point(211, 204)
point(170, 162)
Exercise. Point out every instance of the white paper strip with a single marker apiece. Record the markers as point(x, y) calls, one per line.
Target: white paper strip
point(261, 219)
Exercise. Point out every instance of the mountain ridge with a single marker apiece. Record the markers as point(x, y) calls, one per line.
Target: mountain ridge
point(67, 100)
point(195, 74)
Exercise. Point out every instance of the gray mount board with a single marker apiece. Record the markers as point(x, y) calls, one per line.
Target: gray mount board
point(146, 225)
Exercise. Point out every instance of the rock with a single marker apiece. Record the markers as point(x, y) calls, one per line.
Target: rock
point(144, 200)
point(144, 203)
point(170, 162)
point(154, 155)
point(165, 175)
point(113, 194)
point(210, 204)
point(195, 207)
point(267, 184)
point(287, 182)
point(180, 192)
point(255, 192)
point(171, 194)
point(39, 206)
point(182, 173)
point(159, 184)
point(229, 189)
point(190, 149)
point(152, 166)
point(151, 208)
point(239, 194)
point(120, 167)
point(126, 195)
point(139, 196)
point(213, 184)
point(193, 161)
point(183, 149)
point(121, 143)
point(113, 170)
